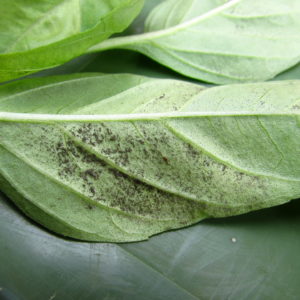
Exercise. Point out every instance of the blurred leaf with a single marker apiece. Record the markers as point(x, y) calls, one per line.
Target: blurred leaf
point(218, 41)
point(293, 73)
point(138, 25)
point(125, 61)
point(36, 35)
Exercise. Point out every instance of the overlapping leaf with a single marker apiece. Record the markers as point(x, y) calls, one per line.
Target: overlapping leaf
point(35, 35)
point(219, 41)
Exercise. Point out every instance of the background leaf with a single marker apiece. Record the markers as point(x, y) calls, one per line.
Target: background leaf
point(138, 25)
point(292, 73)
point(208, 41)
point(125, 61)
point(200, 262)
point(36, 35)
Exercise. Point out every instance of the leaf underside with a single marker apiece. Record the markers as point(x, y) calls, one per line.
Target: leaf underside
point(127, 179)
point(250, 41)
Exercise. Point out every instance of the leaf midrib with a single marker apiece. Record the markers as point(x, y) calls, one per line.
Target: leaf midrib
point(128, 40)
point(50, 118)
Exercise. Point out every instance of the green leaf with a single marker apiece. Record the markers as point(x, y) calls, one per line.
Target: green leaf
point(218, 41)
point(138, 25)
point(114, 166)
point(293, 73)
point(200, 262)
point(36, 35)
point(124, 61)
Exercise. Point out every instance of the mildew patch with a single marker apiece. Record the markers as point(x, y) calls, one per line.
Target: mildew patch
point(140, 168)
point(82, 171)
point(152, 154)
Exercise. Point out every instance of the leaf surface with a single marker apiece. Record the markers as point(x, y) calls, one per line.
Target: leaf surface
point(293, 73)
point(115, 166)
point(218, 41)
point(36, 35)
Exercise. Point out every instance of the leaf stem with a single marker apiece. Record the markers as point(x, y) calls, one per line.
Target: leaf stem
point(121, 42)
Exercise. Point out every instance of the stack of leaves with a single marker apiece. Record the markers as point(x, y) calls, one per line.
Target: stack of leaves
point(120, 157)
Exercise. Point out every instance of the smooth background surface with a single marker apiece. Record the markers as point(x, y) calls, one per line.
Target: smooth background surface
point(200, 262)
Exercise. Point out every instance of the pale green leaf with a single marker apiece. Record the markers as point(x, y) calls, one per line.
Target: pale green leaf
point(219, 41)
point(138, 25)
point(293, 73)
point(112, 165)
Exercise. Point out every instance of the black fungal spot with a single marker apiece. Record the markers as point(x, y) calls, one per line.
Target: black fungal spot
point(296, 107)
point(113, 138)
point(90, 207)
point(240, 176)
point(91, 173)
point(117, 174)
point(165, 159)
point(191, 151)
point(206, 162)
point(92, 190)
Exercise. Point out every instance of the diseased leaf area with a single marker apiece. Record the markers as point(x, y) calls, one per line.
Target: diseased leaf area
point(125, 180)
point(36, 35)
point(220, 41)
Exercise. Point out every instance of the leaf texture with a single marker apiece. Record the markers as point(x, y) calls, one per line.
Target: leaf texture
point(218, 41)
point(114, 166)
point(36, 35)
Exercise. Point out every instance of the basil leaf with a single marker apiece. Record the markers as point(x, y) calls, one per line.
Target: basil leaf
point(114, 166)
point(218, 41)
point(36, 35)
point(293, 73)
point(138, 25)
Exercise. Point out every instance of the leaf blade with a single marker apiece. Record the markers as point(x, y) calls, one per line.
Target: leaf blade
point(49, 46)
point(220, 44)
point(152, 174)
